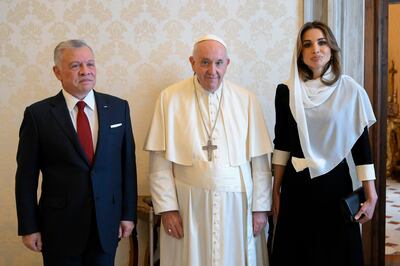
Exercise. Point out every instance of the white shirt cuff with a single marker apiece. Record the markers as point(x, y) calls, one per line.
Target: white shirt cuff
point(365, 172)
point(280, 157)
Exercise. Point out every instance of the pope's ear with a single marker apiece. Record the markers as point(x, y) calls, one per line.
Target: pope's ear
point(191, 60)
point(57, 72)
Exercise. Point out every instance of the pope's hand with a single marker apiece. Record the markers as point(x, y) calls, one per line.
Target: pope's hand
point(260, 219)
point(172, 223)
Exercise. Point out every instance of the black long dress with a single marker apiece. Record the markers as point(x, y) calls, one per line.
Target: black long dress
point(311, 229)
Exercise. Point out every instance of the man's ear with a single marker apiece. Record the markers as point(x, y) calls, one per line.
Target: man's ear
point(57, 72)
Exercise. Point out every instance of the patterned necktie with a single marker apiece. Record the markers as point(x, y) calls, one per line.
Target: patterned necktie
point(84, 132)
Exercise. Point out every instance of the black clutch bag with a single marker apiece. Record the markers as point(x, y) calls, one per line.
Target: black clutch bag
point(352, 204)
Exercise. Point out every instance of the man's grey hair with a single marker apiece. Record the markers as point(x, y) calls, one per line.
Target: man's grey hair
point(58, 51)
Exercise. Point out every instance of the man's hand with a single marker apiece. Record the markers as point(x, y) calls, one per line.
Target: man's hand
point(172, 223)
point(260, 219)
point(125, 228)
point(33, 241)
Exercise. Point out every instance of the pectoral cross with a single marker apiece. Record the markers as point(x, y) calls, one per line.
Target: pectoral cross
point(209, 147)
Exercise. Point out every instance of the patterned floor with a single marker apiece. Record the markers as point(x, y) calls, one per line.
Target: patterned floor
point(392, 243)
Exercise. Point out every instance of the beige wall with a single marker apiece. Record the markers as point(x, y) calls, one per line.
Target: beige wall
point(394, 46)
point(140, 47)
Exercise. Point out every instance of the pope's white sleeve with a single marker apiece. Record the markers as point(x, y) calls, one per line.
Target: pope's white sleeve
point(262, 183)
point(162, 183)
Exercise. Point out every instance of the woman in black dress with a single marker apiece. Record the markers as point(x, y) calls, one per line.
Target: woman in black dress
point(322, 118)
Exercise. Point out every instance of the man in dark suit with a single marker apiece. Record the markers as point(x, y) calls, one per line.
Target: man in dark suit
point(82, 143)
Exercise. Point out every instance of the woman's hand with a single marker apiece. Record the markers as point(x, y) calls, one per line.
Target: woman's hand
point(367, 209)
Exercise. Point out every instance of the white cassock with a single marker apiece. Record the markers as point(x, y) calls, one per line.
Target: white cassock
point(214, 198)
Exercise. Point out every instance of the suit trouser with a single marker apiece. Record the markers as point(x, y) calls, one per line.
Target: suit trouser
point(93, 255)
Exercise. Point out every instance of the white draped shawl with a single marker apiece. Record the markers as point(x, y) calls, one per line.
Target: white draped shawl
point(329, 119)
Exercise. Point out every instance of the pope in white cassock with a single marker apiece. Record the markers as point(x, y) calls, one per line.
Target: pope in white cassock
point(209, 172)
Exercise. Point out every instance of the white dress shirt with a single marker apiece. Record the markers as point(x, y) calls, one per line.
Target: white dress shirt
point(90, 111)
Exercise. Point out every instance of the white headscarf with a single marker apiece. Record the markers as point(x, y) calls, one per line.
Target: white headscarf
point(329, 119)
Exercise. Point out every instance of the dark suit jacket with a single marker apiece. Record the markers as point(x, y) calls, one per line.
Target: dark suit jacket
point(71, 190)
